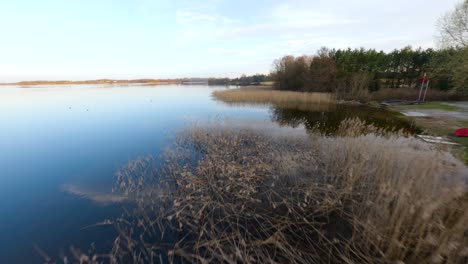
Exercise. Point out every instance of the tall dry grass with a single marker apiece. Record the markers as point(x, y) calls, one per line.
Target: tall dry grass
point(413, 94)
point(284, 99)
point(227, 195)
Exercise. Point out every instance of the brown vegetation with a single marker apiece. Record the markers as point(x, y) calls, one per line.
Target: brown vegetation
point(284, 99)
point(238, 196)
point(413, 94)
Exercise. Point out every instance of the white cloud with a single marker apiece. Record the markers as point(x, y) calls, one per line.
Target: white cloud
point(187, 17)
point(288, 18)
point(308, 15)
point(192, 13)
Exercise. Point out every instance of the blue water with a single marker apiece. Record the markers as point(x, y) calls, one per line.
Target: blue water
point(60, 146)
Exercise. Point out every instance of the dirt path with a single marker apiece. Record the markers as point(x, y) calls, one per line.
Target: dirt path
point(461, 113)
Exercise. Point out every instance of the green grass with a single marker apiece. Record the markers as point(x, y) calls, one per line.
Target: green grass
point(461, 140)
point(464, 142)
point(431, 105)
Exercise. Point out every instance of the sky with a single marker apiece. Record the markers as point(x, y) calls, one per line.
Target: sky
point(130, 39)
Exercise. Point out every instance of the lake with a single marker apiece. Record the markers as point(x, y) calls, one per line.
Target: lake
point(61, 146)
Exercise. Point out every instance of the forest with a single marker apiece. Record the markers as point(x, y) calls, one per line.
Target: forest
point(360, 71)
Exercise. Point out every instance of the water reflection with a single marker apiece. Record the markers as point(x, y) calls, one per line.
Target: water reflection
point(304, 106)
point(98, 197)
point(329, 121)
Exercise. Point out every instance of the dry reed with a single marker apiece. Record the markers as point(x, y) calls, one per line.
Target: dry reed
point(237, 196)
point(284, 99)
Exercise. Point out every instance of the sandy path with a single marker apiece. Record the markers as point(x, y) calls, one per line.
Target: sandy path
point(461, 114)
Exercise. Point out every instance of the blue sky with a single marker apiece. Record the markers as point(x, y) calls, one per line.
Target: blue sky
point(91, 39)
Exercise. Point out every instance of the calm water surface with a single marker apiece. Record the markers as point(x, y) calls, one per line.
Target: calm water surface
point(60, 148)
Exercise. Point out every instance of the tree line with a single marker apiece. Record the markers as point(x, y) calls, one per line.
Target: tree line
point(256, 79)
point(357, 71)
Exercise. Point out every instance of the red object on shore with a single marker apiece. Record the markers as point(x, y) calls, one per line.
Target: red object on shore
point(424, 79)
point(462, 132)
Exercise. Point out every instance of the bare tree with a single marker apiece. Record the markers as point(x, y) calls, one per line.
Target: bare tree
point(453, 26)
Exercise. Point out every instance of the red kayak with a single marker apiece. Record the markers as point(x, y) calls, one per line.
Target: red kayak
point(462, 132)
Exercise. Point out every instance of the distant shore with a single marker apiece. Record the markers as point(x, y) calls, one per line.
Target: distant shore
point(109, 81)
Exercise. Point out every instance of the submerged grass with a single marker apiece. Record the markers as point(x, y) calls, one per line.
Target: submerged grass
point(227, 195)
point(284, 99)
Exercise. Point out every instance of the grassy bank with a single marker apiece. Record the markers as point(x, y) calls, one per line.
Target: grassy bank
point(412, 94)
point(442, 125)
point(239, 196)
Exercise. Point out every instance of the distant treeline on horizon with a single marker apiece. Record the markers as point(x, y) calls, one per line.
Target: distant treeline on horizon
point(110, 81)
point(257, 79)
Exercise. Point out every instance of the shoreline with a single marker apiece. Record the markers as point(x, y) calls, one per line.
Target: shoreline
point(107, 81)
point(439, 119)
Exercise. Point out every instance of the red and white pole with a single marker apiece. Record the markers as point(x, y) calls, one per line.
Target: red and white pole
point(424, 81)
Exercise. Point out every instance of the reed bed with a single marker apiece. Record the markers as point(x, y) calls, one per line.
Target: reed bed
point(278, 98)
point(224, 195)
